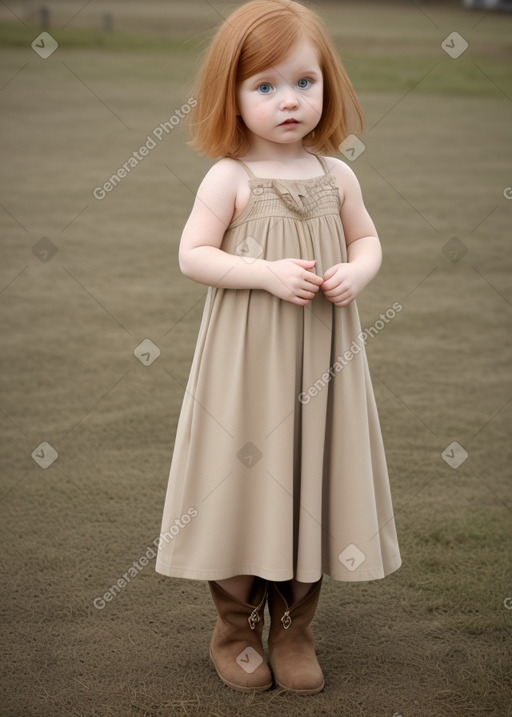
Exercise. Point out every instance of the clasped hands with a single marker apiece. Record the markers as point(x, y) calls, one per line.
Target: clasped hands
point(294, 280)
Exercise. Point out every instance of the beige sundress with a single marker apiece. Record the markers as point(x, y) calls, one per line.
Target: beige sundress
point(279, 467)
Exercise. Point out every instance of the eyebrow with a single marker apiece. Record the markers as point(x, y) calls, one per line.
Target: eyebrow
point(271, 71)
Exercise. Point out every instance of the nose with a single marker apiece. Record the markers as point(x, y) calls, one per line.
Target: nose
point(289, 99)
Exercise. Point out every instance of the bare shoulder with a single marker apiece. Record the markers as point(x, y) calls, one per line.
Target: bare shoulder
point(343, 173)
point(224, 176)
point(217, 197)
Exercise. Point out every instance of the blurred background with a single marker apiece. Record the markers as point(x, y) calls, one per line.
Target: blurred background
point(98, 331)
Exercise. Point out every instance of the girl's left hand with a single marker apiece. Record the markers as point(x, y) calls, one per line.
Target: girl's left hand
point(342, 283)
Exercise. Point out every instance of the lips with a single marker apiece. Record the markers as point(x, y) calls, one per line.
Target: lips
point(289, 121)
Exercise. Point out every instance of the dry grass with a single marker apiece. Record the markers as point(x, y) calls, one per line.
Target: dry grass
point(431, 640)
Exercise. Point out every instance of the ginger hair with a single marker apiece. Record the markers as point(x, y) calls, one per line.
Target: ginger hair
point(256, 36)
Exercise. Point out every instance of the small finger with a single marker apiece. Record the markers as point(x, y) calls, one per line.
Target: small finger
point(332, 292)
point(329, 285)
point(305, 294)
point(329, 273)
point(314, 278)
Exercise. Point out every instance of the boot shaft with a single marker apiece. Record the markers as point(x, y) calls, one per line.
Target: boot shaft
point(233, 611)
point(285, 614)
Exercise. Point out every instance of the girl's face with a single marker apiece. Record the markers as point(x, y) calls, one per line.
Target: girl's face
point(283, 103)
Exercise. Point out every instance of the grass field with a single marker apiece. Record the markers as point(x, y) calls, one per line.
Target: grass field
point(84, 281)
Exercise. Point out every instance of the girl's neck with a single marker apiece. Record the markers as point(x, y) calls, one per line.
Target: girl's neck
point(263, 151)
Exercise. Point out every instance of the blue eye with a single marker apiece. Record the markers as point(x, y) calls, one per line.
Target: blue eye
point(304, 84)
point(265, 88)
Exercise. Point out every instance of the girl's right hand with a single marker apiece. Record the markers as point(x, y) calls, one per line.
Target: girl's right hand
point(293, 280)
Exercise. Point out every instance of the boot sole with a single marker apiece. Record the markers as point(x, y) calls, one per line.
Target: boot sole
point(240, 688)
point(311, 691)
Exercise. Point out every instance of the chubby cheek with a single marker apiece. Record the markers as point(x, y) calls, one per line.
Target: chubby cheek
point(255, 116)
point(317, 105)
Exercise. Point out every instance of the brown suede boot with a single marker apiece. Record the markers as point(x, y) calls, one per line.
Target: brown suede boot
point(236, 649)
point(290, 642)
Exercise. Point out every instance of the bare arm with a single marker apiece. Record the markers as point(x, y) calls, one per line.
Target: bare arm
point(200, 256)
point(343, 282)
point(202, 259)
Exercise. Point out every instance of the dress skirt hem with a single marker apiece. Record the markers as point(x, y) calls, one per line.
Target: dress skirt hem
point(342, 575)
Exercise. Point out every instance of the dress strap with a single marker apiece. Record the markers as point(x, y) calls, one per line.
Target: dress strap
point(322, 161)
point(249, 171)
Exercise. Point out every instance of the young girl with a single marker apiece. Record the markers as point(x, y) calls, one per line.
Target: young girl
point(278, 463)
